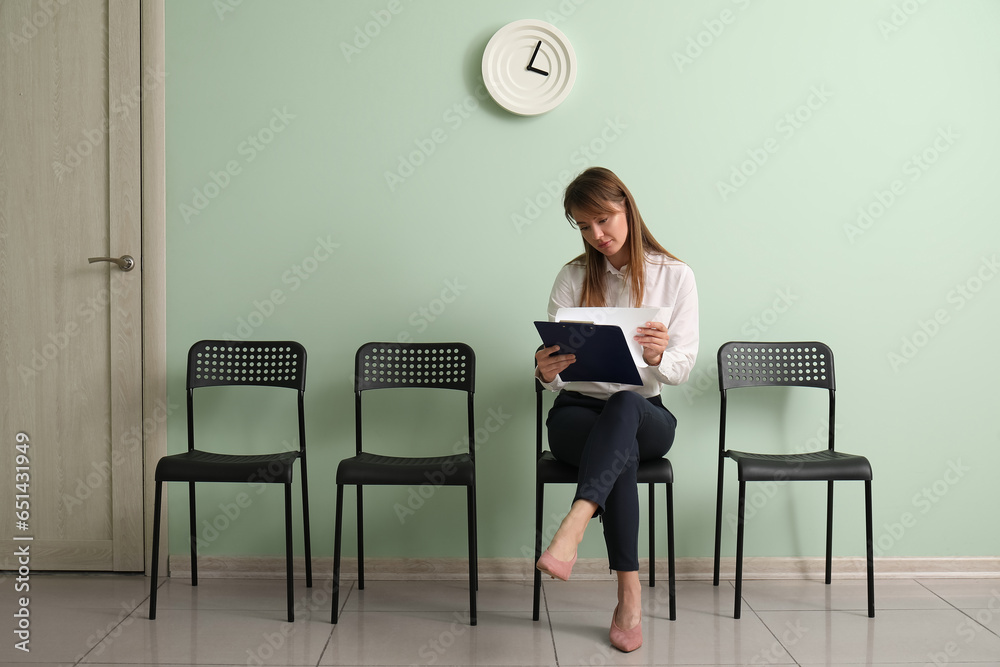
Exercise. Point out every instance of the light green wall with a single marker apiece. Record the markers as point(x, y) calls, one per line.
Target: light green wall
point(473, 237)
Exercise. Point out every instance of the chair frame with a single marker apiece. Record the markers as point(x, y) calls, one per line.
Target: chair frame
point(728, 381)
point(567, 474)
point(360, 386)
point(195, 381)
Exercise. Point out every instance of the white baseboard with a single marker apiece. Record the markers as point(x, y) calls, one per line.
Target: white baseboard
point(520, 569)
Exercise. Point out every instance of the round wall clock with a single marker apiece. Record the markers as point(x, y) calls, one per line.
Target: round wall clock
point(529, 67)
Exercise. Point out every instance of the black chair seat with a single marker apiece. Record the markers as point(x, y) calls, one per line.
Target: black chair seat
point(395, 366)
point(807, 365)
point(214, 364)
point(823, 465)
point(658, 471)
point(550, 470)
point(367, 468)
point(198, 466)
point(553, 471)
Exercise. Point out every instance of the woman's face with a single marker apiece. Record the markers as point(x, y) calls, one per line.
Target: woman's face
point(607, 232)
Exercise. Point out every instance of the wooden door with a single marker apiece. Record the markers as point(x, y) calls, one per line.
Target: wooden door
point(71, 338)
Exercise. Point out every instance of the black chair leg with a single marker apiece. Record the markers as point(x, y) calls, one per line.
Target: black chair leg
point(829, 531)
point(652, 536)
point(361, 538)
point(156, 552)
point(337, 525)
point(473, 556)
point(194, 536)
point(475, 532)
point(871, 549)
point(536, 597)
point(289, 571)
point(671, 570)
point(739, 550)
point(718, 522)
point(306, 524)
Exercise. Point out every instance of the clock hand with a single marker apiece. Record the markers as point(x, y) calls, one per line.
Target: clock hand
point(532, 61)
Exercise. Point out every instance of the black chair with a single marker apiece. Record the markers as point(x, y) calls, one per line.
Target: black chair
point(409, 365)
point(549, 470)
point(807, 364)
point(216, 363)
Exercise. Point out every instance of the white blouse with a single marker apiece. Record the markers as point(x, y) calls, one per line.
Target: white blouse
point(669, 284)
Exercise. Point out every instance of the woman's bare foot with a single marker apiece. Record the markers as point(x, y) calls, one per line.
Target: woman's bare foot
point(629, 600)
point(570, 533)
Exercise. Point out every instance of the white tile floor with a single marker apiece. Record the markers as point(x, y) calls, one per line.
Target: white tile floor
point(102, 620)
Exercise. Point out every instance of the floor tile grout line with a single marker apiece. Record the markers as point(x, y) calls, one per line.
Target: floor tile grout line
point(744, 601)
point(548, 618)
point(993, 585)
point(959, 609)
point(329, 640)
point(776, 639)
point(107, 634)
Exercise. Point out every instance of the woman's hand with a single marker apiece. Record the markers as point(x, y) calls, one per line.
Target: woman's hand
point(550, 364)
point(653, 338)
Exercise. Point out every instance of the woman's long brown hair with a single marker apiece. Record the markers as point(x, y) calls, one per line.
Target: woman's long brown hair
point(590, 194)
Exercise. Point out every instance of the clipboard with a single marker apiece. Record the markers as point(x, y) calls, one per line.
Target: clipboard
point(602, 354)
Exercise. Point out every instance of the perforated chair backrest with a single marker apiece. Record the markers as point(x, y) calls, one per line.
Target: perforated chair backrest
point(800, 364)
point(424, 365)
point(806, 364)
point(432, 365)
point(220, 363)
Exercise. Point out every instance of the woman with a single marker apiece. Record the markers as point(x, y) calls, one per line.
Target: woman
point(606, 429)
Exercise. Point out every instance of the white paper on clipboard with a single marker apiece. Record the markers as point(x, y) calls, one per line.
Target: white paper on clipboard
point(628, 319)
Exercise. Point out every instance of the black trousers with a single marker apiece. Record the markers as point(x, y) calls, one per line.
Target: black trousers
point(606, 440)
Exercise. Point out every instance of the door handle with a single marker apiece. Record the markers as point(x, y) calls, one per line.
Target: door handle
point(125, 262)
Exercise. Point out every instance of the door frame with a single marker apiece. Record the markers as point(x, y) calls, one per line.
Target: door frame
point(154, 246)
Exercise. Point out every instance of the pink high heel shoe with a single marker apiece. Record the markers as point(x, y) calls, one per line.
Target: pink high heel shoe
point(555, 568)
point(625, 640)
